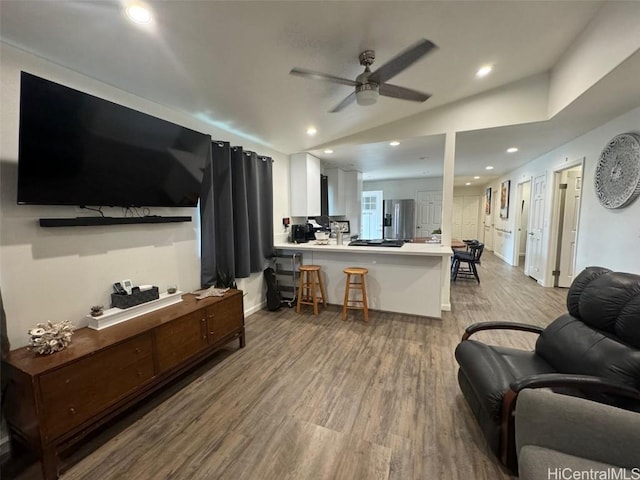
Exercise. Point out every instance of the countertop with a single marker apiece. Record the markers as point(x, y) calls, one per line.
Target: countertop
point(426, 249)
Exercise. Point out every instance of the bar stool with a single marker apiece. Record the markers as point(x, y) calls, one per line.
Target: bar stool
point(307, 295)
point(358, 273)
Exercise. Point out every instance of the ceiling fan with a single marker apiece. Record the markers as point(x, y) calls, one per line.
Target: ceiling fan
point(371, 84)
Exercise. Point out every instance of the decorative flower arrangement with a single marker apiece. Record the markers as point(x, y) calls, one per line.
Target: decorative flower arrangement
point(97, 310)
point(50, 338)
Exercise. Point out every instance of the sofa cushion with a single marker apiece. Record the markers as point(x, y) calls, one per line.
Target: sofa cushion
point(578, 285)
point(571, 346)
point(491, 369)
point(535, 463)
point(577, 427)
point(607, 301)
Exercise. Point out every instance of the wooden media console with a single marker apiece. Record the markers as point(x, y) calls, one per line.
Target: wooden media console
point(53, 401)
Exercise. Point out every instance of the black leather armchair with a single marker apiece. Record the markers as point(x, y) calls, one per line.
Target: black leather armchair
point(592, 351)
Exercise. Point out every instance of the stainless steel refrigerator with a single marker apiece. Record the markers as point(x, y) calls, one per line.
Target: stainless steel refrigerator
point(399, 219)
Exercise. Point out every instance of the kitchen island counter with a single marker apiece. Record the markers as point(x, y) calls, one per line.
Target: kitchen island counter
point(411, 279)
point(429, 249)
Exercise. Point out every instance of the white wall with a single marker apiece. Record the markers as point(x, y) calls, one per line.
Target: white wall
point(58, 273)
point(611, 37)
point(403, 189)
point(607, 238)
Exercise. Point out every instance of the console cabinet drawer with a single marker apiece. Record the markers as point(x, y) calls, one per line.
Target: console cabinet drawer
point(77, 392)
point(224, 318)
point(179, 340)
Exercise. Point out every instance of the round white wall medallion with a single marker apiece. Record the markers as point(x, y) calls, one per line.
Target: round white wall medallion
point(617, 178)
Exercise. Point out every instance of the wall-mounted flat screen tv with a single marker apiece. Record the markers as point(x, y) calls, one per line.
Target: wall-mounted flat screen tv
point(78, 149)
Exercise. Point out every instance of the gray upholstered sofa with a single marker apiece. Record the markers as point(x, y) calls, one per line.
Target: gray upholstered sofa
point(557, 435)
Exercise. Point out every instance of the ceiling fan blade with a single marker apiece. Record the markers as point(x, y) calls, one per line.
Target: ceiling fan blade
point(347, 101)
point(321, 76)
point(395, 91)
point(401, 61)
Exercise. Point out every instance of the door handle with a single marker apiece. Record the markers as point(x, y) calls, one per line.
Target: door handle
point(531, 233)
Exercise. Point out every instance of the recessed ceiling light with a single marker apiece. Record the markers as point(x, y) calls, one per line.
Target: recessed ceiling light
point(476, 177)
point(138, 12)
point(488, 167)
point(328, 151)
point(395, 143)
point(468, 183)
point(512, 150)
point(311, 131)
point(484, 71)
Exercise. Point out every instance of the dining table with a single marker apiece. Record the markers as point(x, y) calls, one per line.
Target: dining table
point(457, 244)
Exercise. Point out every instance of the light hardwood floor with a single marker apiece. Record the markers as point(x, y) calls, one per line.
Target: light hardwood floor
point(318, 398)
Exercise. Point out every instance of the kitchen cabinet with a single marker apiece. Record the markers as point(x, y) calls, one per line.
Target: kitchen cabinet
point(336, 187)
point(345, 192)
point(305, 185)
point(353, 199)
point(54, 401)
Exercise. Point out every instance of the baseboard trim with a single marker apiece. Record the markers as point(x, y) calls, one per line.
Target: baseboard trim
point(254, 309)
point(500, 256)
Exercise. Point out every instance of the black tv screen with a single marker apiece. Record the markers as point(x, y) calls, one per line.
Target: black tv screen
point(78, 149)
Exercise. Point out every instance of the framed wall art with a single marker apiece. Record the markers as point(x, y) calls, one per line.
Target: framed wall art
point(487, 201)
point(504, 198)
point(617, 177)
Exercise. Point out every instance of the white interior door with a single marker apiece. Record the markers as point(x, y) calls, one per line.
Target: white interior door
point(470, 216)
point(570, 227)
point(371, 214)
point(429, 212)
point(487, 236)
point(522, 219)
point(535, 258)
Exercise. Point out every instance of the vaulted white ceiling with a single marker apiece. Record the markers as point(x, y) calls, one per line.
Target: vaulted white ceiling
point(228, 63)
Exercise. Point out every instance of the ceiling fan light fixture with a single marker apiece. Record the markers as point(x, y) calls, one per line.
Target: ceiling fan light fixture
point(484, 71)
point(367, 94)
point(138, 12)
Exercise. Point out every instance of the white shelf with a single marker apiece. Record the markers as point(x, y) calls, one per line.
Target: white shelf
point(113, 316)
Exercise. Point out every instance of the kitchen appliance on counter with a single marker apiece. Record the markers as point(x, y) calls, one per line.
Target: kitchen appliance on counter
point(399, 219)
point(300, 233)
point(376, 243)
point(303, 233)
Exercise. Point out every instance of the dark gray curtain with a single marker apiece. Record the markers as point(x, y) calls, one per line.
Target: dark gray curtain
point(236, 213)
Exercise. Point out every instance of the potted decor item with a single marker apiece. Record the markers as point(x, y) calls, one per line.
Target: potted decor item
point(224, 279)
point(97, 310)
point(50, 337)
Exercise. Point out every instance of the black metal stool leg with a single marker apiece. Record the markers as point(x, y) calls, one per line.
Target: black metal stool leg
point(475, 271)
